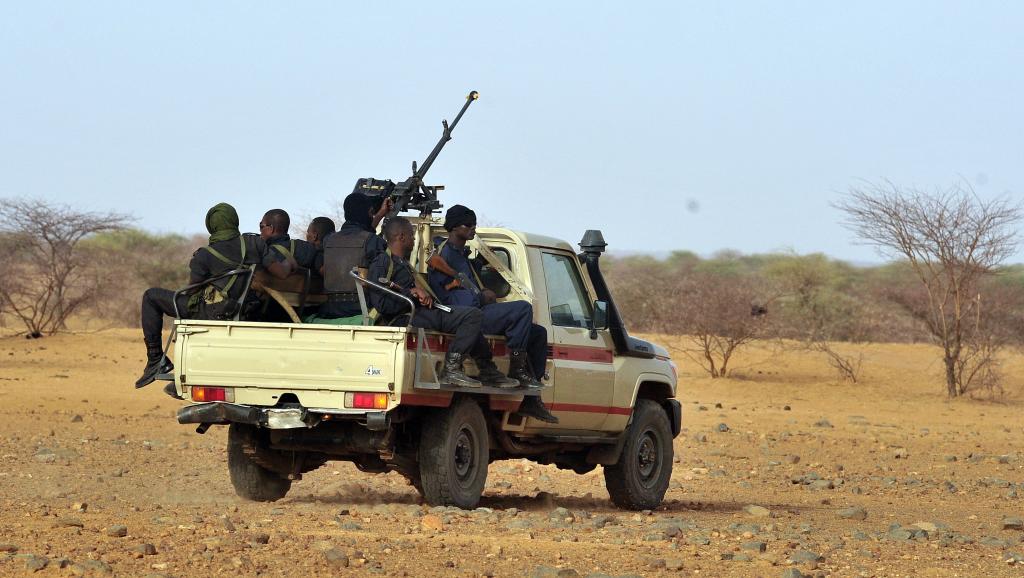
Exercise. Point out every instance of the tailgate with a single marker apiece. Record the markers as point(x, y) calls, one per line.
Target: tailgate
point(314, 362)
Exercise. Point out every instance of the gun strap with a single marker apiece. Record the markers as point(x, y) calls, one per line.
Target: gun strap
point(502, 270)
point(476, 277)
point(226, 261)
point(288, 253)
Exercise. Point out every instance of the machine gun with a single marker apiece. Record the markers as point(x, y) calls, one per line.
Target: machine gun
point(411, 194)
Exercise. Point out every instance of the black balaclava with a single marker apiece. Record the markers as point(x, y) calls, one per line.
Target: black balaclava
point(458, 215)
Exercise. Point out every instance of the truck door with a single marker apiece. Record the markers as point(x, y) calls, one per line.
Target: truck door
point(583, 372)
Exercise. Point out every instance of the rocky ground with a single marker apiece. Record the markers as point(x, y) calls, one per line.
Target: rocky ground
point(781, 471)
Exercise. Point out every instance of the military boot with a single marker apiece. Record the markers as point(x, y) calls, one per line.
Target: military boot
point(490, 375)
point(533, 406)
point(156, 364)
point(453, 374)
point(518, 369)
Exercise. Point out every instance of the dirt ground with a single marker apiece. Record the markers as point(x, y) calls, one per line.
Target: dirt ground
point(98, 478)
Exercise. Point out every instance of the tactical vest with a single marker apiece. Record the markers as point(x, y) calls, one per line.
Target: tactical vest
point(217, 293)
point(341, 254)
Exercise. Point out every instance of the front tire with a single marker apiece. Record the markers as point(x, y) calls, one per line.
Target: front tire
point(640, 478)
point(453, 455)
point(251, 480)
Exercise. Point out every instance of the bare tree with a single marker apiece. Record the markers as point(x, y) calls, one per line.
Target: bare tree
point(952, 240)
point(45, 279)
point(716, 314)
point(816, 313)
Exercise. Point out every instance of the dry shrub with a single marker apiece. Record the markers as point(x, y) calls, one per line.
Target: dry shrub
point(131, 262)
point(717, 315)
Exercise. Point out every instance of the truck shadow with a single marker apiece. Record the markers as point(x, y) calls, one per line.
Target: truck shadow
point(540, 502)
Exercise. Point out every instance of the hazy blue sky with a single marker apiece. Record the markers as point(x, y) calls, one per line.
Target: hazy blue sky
point(677, 125)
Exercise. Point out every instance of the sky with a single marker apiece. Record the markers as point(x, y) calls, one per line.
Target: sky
point(696, 126)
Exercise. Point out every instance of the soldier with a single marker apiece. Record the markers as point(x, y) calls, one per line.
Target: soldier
point(464, 322)
point(358, 233)
point(513, 319)
point(282, 248)
point(318, 230)
point(227, 250)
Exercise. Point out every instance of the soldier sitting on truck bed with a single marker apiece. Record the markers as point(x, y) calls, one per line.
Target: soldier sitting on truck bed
point(354, 245)
point(526, 341)
point(318, 230)
point(280, 246)
point(393, 266)
point(513, 319)
point(228, 250)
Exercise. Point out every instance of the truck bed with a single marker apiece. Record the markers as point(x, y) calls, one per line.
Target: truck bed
point(263, 361)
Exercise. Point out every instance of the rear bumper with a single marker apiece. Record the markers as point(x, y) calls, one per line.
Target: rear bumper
point(268, 417)
point(219, 413)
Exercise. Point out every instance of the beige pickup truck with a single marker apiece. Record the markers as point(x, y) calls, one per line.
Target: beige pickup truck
point(298, 395)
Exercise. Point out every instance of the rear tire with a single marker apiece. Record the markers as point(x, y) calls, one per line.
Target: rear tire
point(251, 480)
point(453, 455)
point(640, 478)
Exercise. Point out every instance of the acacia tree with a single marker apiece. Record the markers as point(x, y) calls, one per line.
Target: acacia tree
point(952, 241)
point(45, 279)
point(717, 315)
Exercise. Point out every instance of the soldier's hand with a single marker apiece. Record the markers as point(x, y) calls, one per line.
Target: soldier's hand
point(487, 297)
point(424, 298)
point(385, 207)
point(382, 211)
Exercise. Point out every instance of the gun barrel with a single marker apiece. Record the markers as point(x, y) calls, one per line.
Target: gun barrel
point(447, 136)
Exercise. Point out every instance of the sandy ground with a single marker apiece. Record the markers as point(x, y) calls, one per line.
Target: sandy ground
point(96, 477)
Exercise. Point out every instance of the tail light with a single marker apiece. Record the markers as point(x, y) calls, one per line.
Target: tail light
point(203, 393)
point(366, 400)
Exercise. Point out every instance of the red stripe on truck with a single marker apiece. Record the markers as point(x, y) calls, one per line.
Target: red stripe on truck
point(439, 344)
point(443, 400)
point(580, 353)
point(582, 408)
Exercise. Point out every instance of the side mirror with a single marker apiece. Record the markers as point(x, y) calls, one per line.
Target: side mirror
point(600, 318)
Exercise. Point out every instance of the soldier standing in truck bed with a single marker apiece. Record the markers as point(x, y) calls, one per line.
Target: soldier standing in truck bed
point(228, 249)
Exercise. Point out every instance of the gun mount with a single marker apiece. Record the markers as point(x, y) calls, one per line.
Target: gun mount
point(412, 194)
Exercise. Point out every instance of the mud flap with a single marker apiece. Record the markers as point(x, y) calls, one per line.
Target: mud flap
point(607, 455)
point(675, 415)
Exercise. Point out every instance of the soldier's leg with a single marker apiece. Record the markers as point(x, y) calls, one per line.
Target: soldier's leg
point(537, 354)
point(489, 372)
point(464, 322)
point(513, 320)
point(537, 350)
point(156, 303)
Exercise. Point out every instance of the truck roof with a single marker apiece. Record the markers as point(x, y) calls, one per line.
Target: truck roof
point(528, 238)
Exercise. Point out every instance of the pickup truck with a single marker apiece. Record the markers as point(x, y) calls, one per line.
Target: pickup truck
point(296, 395)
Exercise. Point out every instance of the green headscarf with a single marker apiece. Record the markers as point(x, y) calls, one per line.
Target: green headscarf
point(222, 222)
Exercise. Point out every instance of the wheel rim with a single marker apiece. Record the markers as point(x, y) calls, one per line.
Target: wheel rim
point(465, 456)
point(648, 457)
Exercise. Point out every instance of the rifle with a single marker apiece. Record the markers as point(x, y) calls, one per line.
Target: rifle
point(412, 194)
point(437, 262)
point(396, 287)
